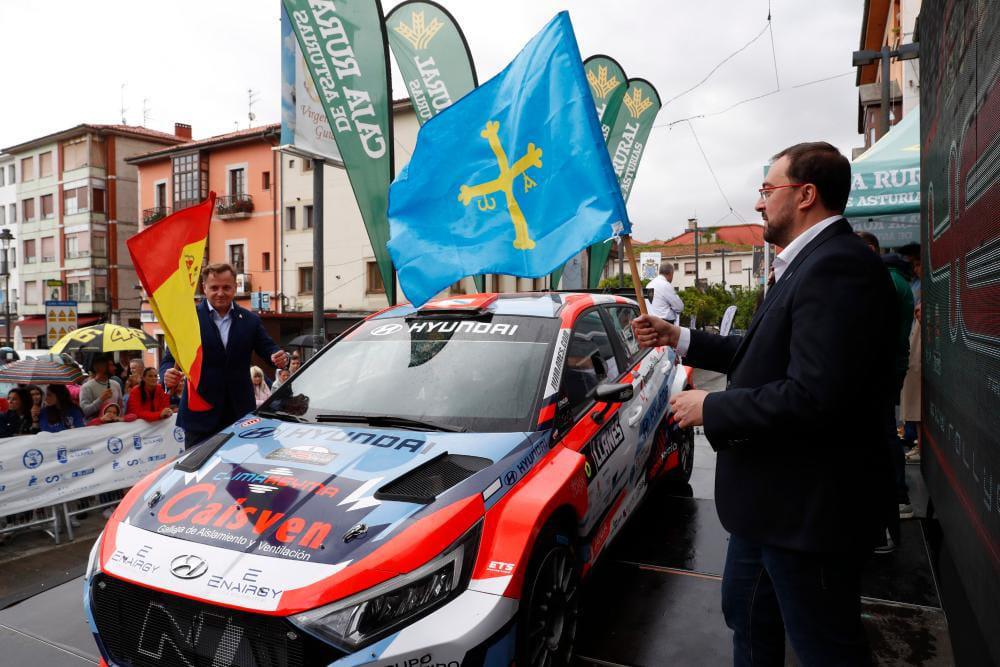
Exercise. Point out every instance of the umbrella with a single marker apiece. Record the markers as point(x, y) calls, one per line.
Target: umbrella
point(43, 370)
point(308, 340)
point(104, 338)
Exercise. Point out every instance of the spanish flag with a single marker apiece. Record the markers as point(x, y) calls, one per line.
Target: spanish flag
point(167, 255)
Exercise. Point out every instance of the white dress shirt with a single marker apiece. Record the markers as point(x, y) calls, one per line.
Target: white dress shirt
point(666, 303)
point(781, 262)
point(222, 322)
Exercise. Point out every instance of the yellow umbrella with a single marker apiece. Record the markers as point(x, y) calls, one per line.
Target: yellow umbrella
point(104, 338)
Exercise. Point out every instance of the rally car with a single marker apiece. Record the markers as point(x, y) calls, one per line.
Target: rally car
point(427, 491)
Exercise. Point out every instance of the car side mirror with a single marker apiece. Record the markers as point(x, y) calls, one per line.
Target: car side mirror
point(609, 394)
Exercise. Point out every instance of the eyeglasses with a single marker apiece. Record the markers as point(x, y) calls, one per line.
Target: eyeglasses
point(766, 192)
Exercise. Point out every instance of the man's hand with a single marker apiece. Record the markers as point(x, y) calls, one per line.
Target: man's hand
point(165, 412)
point(687, 407)
point(106, 394)
point(280, 359)
point(36, 410)
point(651, 331)
point(172, 378)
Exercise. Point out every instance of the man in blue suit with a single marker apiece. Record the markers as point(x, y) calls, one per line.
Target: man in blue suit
point(229, 335)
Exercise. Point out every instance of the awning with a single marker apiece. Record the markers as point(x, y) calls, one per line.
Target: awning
point(886, 177)
point(33, 326)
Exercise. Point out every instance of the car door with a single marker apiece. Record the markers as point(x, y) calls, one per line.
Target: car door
point(595, 429)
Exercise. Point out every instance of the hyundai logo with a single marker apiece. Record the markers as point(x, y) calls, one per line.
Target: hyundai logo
point(188, 566)
point(386, 329)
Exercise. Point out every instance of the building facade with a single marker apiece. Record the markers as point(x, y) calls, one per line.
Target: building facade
point(242, 169)
point(76, 206)
point(8, 225)
point(730, 255)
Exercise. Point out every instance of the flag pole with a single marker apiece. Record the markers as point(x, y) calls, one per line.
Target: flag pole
point(636, 282)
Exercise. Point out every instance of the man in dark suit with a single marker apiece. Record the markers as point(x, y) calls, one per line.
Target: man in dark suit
point(802, 473)
point(229, 335)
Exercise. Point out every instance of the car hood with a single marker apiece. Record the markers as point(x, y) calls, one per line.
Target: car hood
point(306, 492)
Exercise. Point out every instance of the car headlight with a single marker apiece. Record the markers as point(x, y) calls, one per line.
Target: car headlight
point(94, 561)
point(368, 616)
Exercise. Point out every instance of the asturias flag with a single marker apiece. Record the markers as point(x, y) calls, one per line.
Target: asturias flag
point(513, 178)
point(167, 256)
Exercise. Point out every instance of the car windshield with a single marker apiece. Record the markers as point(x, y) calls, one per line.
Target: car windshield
point(477, 374)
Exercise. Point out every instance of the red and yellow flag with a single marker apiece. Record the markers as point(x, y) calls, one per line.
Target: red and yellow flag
point(168, 256)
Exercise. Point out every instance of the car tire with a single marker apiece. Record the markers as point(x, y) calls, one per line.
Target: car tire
point(685, 457)
point(550, 603)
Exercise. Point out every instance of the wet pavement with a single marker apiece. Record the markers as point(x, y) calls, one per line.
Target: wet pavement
point(654, 599)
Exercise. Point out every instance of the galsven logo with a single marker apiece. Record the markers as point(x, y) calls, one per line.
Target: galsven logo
point(188, 566)
point(418, 32)
point(504, 183)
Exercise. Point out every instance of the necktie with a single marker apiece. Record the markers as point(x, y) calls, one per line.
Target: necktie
point(770, 278)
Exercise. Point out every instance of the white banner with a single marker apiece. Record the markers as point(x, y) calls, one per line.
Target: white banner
point(51, 468)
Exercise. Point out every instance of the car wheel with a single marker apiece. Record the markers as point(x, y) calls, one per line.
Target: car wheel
point(685, 456)
point(550, 604)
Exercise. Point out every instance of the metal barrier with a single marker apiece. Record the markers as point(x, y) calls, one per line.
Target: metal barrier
point(109, 499)
point(29, 519)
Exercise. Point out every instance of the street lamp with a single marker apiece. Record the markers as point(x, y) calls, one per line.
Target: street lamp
point(5, 238)
point(868, 57)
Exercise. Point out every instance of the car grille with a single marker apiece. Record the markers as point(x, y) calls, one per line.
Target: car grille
point(144, 628)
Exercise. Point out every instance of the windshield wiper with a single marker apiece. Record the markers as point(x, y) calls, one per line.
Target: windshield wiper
point(283, 416)
point(389, 420)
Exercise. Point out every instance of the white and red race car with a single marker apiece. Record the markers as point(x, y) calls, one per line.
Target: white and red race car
point(427, 491)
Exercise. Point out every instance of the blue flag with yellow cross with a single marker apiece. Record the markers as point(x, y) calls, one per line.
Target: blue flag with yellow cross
point(513, 178)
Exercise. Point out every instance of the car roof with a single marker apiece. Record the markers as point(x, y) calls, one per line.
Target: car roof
point(529, 304)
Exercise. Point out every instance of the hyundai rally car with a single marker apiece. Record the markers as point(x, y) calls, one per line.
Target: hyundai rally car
point(427, 491)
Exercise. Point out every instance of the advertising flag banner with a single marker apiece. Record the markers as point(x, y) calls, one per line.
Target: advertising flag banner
point(607, 82)
point(167, 257)
point(303, 118)
point(432, 55)
point(626, 143)
point(514, 178)
point(434, 59)
point(346, 53)
point(50, 468)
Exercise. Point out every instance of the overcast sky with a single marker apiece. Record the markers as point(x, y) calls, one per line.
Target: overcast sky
point(193, 61)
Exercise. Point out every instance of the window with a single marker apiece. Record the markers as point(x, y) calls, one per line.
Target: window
point(291, 163)
point(307, 217)
point(3, 174)
point(265, 180)
point(27, 169)
point(76, 200)
point(677, 265)
point(45, 164)
point(190, 174)
point(160, 195)
point(3, 215)
point(30, 257)
point(12, 255)
point(97, 205)
point(75, 154)
point(237, 257)
point(100, 288)
point(621, 322)
point(77, 245)
point(12, 213)
point(265, 261)
point(307, 164)
point(590, 359)
point(735, 265)
point(46, 205)
point(290, 217)
point(11, 175)
point(237, 182)
point(708, 266)
point(28, 210)
point(374, 283)
point(689, 268)
point(79, 290)
point(305, 280)
point(97, 246)
point(32, 292)
point(49, 249)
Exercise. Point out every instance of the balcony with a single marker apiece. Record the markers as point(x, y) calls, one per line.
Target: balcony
point(151, 215)
point(234, 207)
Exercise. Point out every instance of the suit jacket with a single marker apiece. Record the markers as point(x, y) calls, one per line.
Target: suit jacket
point(801, 428)
point(225, 371)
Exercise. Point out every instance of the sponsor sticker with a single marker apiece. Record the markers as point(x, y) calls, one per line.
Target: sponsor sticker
point(314, 454)
point(602, 446)
point(115, 446)
point(249, 422)
point(32, 458)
